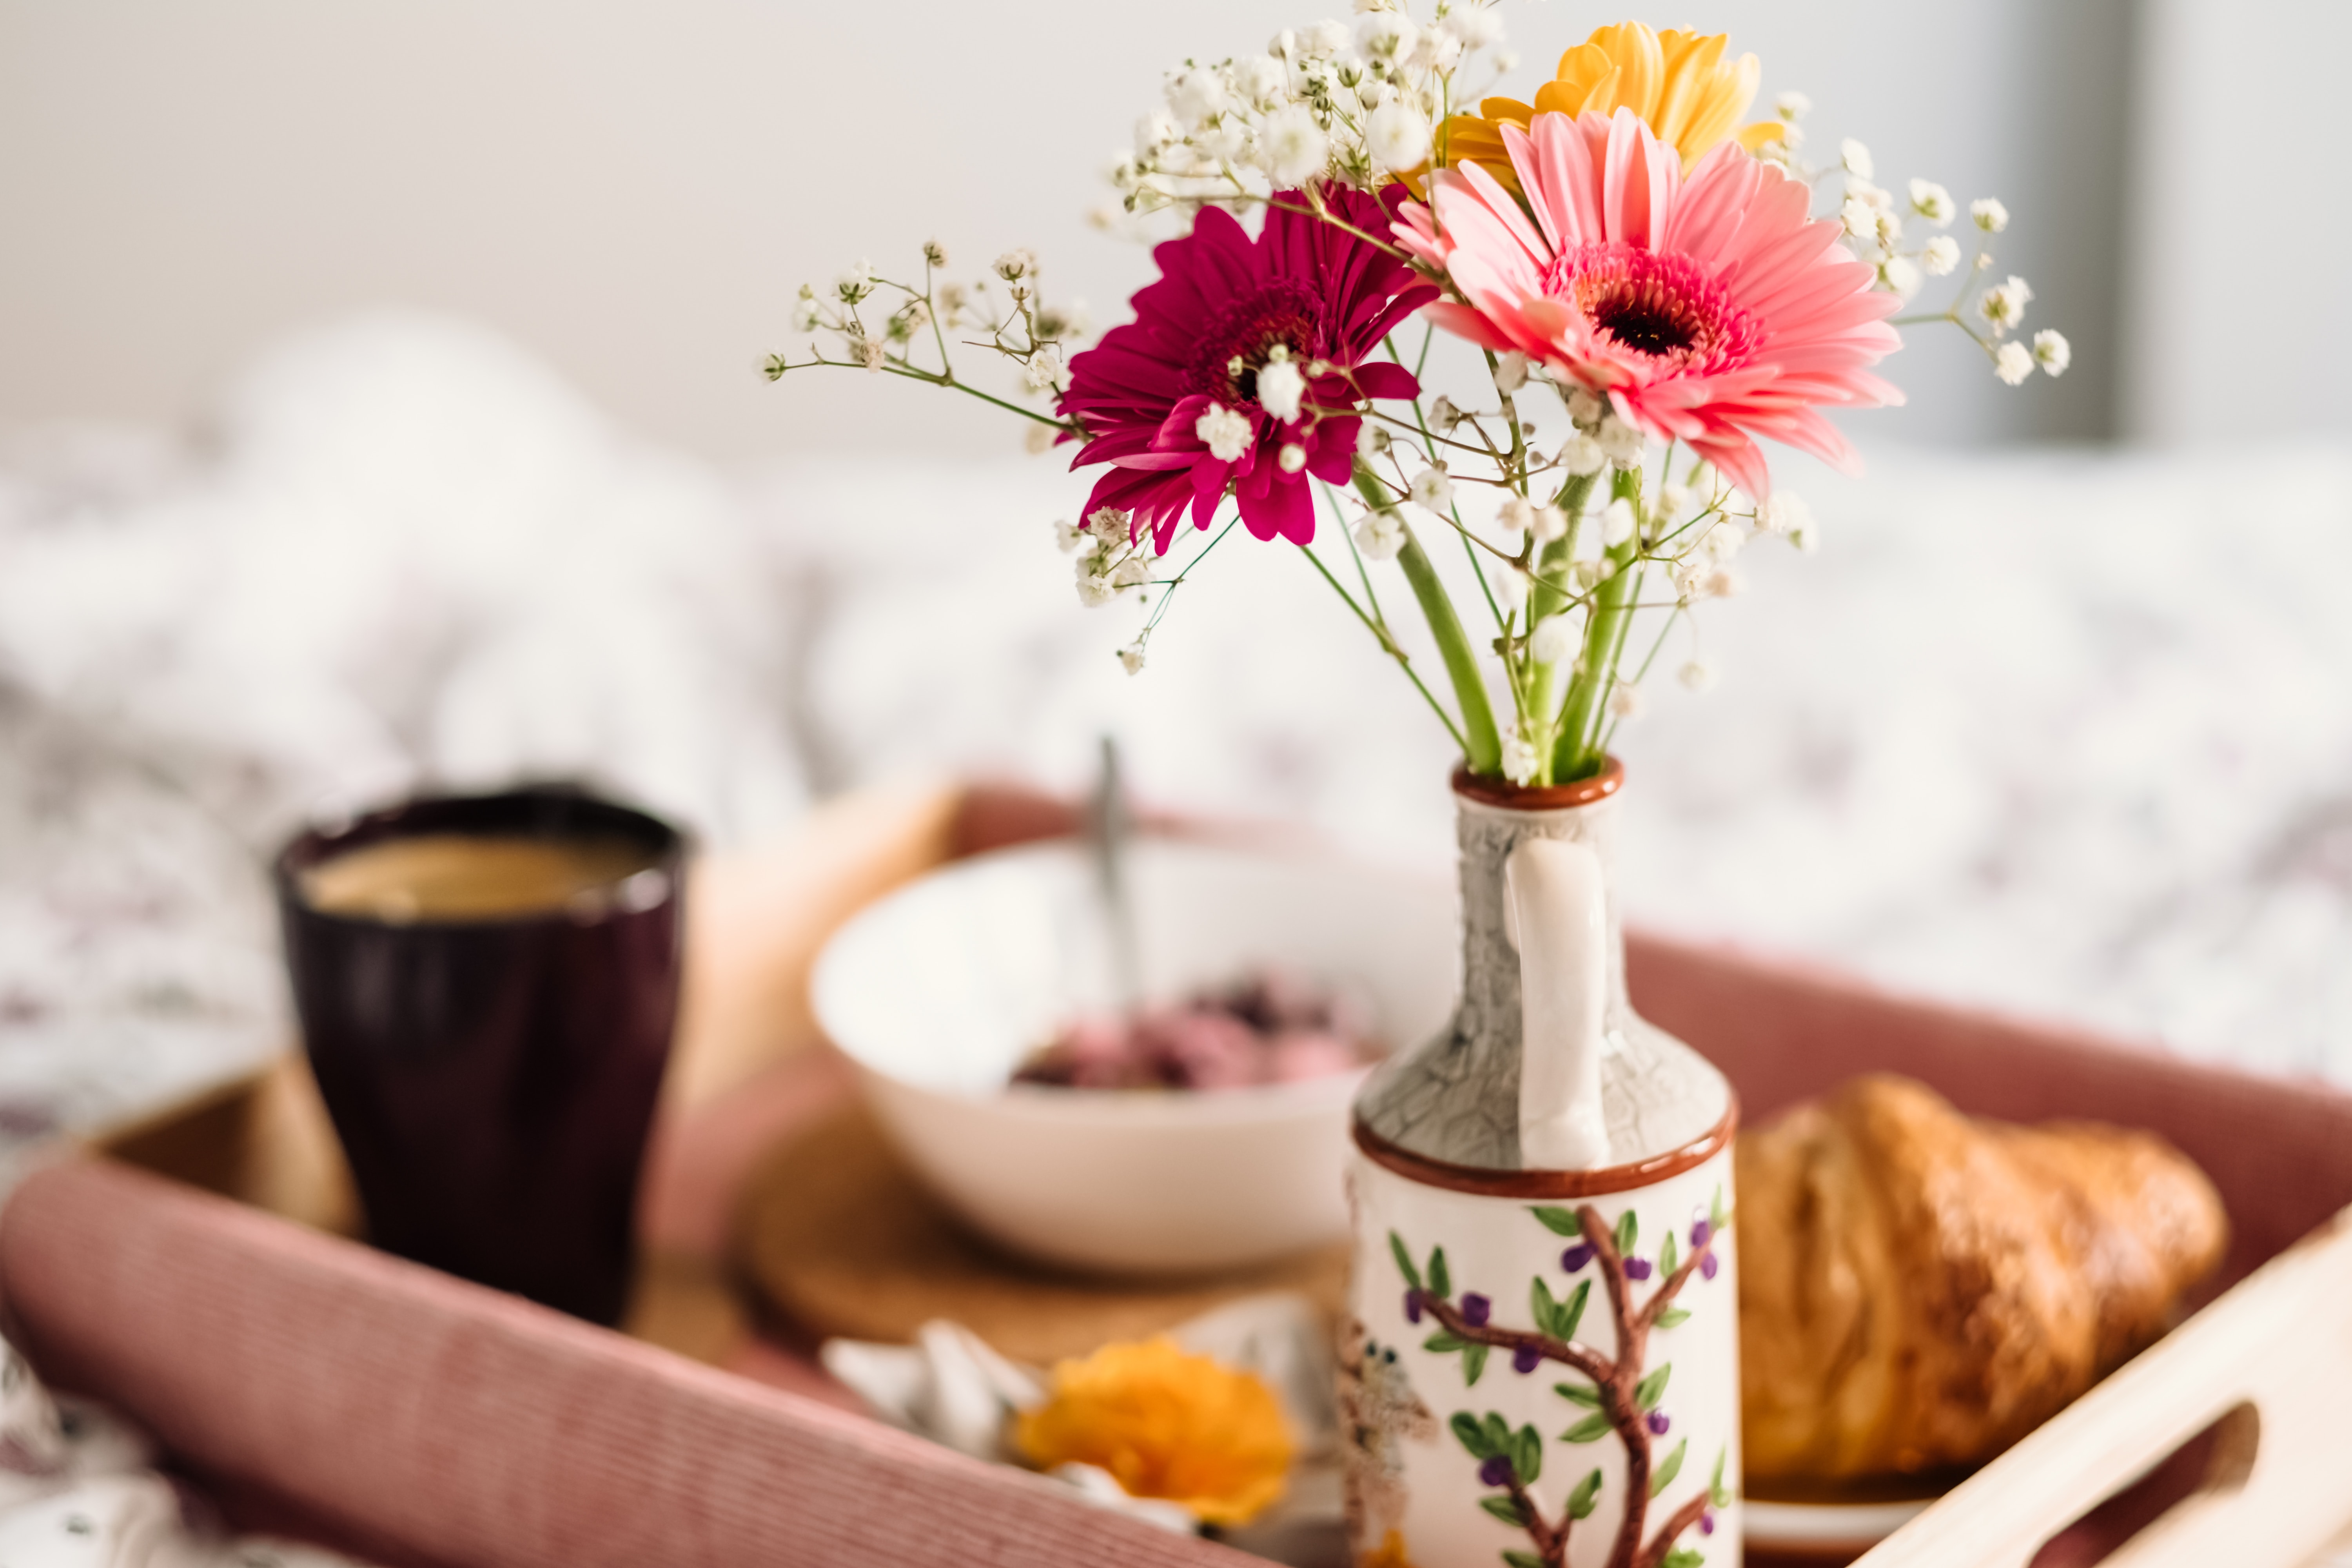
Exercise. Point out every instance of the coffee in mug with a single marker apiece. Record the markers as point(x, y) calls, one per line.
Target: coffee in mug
point(486, 987)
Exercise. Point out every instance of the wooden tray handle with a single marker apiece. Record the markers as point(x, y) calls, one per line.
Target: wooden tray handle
point(2270, 1361)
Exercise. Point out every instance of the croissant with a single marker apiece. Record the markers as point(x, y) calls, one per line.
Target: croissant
point(1920, 1288)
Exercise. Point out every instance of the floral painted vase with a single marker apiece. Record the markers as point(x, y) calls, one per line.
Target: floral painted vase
point(1542, 1364)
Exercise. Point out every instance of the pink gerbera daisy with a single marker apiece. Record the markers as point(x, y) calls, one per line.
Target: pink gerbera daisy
point(1710, 309)
point(1172, 401)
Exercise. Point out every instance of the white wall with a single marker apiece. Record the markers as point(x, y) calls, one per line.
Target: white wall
point(633, 191)
point(2240, 233)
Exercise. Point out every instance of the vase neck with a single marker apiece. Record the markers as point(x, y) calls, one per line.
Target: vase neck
point(1486, 833)
point(1455, 1098)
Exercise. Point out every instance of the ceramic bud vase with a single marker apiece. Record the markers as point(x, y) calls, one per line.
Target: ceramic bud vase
point(1542, 1368)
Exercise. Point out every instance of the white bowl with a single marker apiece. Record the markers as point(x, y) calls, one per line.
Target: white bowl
point(939, 990)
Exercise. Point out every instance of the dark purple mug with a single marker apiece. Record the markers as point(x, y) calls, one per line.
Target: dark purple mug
point(493, 1078)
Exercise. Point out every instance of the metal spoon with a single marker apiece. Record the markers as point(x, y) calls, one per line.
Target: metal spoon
point(1109, 825)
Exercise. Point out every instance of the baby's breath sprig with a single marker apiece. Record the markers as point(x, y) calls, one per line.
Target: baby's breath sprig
point(1114, 562)
point(1110, 561)
point(1874, 224)
point(1005, 308)
point(1354, 105)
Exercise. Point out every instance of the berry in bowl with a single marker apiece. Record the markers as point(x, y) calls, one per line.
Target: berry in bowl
point(1273, 1027)
point(1205, 1128)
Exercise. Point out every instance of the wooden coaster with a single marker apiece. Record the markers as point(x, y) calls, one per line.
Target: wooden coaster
point(837, 1236)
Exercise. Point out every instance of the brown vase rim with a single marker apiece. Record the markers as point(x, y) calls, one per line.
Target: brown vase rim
point(1542, 797)
point(1492, 1183)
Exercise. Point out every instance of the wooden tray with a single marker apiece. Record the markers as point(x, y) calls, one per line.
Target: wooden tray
point(2249, 1399)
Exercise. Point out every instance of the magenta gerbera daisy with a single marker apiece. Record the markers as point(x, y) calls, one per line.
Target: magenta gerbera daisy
point(1173, 402)
point(1710, 309)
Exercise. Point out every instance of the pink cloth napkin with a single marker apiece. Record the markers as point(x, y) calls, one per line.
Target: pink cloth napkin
point(423, 1418)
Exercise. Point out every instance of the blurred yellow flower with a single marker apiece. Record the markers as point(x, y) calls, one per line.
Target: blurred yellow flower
point(1389, 1553)
point(1678, 82)
point(1167, 1423)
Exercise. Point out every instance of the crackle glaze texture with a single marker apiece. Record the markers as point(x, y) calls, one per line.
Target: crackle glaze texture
point(1455, 1098)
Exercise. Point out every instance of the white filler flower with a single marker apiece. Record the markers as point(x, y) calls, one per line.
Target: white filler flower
point(1225, 431)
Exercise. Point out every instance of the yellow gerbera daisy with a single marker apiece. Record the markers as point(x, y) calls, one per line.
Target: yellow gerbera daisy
point(1168, 1424)
point(1678, 82)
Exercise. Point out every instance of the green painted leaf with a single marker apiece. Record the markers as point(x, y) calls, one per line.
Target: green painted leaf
point(1442, 1343)
point(1684, 1557)
point(1670, 1470)
point(1580, 1501)
point(1590, 1429)
point(1629, 1231)
point(1545, 1310)
point(1673, 1316)
point(1668, 1256)
point(1647, 1392)
point(1522, 1559)
point(1574, 1312)
point(1526, 1454)
point(1588, 1397)
point(1560, 1222)
point(1473, 1437)
point(1505, 1509)
point(1405, 1260)
point(1473, 1362)
point(1440, 1283)
point(1717, 1215)
point(1497, 1432)
point(1715, 1491)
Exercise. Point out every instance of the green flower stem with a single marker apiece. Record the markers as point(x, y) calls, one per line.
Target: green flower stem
point(1545, 599)
point(1579, 754)
point(1481, 747)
